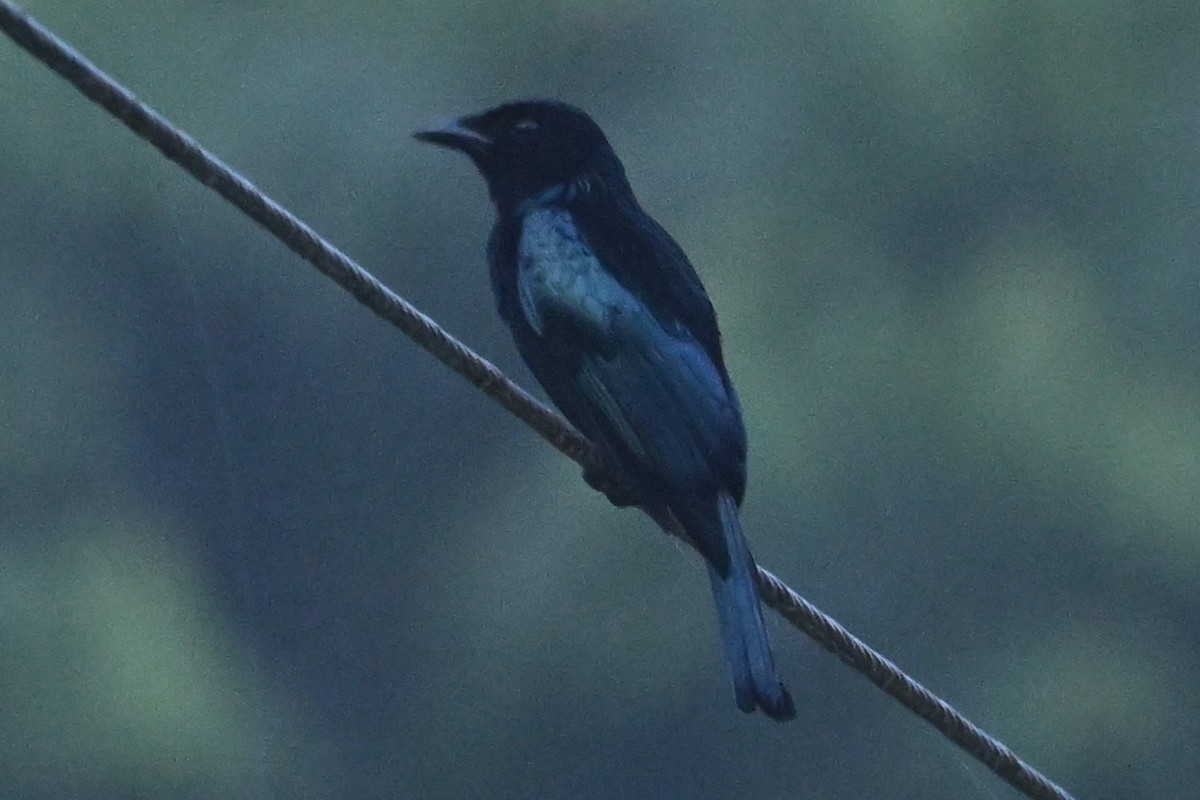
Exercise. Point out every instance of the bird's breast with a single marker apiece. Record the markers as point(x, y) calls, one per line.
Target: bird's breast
point(560, 281)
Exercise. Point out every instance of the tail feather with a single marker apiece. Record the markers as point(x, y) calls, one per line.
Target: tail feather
point(743, 629)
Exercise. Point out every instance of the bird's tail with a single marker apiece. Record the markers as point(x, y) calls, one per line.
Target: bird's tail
point(743, 629)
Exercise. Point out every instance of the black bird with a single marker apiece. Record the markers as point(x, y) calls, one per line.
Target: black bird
point(613, 321)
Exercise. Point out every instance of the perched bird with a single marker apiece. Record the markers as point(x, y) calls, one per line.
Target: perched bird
point(613, 321)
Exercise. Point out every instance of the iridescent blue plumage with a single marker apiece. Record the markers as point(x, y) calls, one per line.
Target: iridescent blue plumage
point(613, 321)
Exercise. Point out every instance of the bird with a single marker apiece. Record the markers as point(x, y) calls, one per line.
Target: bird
point(613, 321)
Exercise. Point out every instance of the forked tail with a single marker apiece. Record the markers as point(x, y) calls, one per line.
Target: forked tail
point(743, 629)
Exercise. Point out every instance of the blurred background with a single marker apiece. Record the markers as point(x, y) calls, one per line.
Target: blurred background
point(254, 543)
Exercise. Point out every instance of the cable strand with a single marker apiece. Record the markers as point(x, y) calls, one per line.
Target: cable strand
point(209, 170)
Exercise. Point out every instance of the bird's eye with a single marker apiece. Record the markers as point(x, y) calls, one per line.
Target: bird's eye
point(525, 128)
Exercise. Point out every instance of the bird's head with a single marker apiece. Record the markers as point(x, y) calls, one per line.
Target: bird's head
point(528, 148)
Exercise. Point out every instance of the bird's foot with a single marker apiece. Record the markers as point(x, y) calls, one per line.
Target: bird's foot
point(617, 492)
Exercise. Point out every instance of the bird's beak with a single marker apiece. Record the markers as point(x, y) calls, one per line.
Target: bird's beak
point(456, 134)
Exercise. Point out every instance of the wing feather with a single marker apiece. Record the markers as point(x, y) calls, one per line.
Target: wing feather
point(660, 396)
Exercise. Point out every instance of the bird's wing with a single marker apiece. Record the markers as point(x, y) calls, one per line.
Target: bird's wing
point(647, 261)
point(655, 391)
